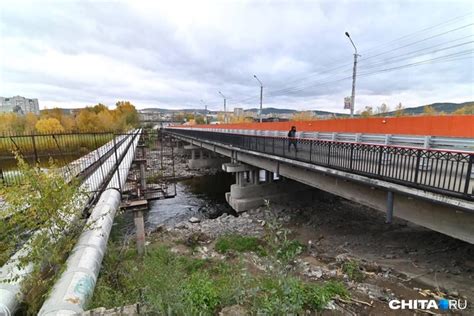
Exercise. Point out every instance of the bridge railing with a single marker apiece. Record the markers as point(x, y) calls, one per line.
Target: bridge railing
point(443, 171)
point(426, 142)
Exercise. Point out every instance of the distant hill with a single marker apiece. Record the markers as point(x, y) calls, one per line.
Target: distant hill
point(445, 107)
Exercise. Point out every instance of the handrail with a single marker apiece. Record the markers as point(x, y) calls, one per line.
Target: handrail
point(443, 171)
point(341, 141)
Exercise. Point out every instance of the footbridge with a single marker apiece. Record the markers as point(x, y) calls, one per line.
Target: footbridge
point(419, 169)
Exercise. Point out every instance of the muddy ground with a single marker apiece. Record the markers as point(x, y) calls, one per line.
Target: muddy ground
point(398, 260)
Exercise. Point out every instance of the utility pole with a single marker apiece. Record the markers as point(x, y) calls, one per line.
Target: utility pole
point(354, 72)
point(225, 113)
point(205, 111)
point(261, 97)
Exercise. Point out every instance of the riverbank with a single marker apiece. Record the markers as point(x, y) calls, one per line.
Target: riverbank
point(315, 254)
point(325, 240)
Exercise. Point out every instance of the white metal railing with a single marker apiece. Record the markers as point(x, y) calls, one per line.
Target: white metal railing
point(416, 141)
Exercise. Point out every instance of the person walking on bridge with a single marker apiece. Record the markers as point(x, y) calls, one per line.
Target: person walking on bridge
point(292, 140)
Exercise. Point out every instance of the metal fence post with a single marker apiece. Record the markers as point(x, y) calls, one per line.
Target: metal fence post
point(34, 148)
point(117, 163)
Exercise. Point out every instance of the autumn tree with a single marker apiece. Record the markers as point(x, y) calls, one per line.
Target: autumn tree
point(49, 126)
point(465, 110)
point(399, 110)
point(10, 123)
point(128, 113)
point(240, 119)
point(87, 121)
point(199, 119)
point(429, 110)
point(30, 123)
point(303, 116)
point(367, 112)
point(383, 108)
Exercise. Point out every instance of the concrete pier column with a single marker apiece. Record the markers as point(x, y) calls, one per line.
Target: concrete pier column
point(256, 176)
point(140, 231)
point(267, 176)
point(246, 196)
point(193, 154)
point(142, 176)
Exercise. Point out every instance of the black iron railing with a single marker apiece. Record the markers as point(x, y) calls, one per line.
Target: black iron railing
point(447, 172)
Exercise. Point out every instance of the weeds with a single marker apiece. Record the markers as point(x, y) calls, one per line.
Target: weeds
point(289, 295)
point(353, 271)
point(239, 243)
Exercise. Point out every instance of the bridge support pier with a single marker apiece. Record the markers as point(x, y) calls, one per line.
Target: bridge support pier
point(202, 159)
point(389, 217)
point(249, 193)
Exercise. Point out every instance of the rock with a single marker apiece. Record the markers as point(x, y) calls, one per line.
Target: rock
point(390, 256)
point(194, 220)
point(342, 257)
point(234, 310)
point(315, 273)
point(181, 225)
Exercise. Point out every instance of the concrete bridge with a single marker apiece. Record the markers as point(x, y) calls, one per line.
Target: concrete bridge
point(431, 187)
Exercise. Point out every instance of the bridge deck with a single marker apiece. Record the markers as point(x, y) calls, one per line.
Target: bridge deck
point(442, 171)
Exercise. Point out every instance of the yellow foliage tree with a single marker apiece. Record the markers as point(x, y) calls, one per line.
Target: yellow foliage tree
point(303, 116)
point(465, 110)
point(30, 123)
point(106, 120)
point(49, 126)
point(87, 121)
point(10, 123)
point(399, 110)
point(128, 113)
point(367, 112)
point(429, 110)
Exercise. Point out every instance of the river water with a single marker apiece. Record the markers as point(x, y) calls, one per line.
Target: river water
point(202, 197)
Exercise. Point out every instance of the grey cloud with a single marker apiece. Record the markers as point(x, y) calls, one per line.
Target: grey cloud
point(289, 45)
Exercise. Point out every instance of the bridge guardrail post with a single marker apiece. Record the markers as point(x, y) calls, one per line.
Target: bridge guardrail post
point(417, 167)
point(352, 156)
point(379, 167)
point(329, 153)
point(468, 176)
point(310, 150)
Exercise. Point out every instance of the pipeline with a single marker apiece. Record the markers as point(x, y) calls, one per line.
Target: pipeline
point(11, 275)
point(74, 289)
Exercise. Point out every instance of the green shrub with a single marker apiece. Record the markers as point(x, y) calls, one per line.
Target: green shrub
point(352, 269)
point(239, 243)
point(289, 249)
point(201, 295)
point(317, 296)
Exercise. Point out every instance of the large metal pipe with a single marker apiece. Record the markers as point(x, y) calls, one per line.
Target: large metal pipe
point(11, 276)
point(75, 288)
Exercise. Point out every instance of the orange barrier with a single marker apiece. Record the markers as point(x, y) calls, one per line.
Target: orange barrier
point(452, 125)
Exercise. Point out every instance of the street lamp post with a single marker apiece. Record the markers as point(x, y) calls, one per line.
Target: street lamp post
point(225, 113)
point(354, 71)
point(261, 97)
point(205, 111)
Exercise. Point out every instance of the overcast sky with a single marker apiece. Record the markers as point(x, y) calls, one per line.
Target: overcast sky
point(175, 53)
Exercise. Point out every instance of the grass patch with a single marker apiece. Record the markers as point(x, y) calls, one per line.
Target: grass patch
point(238, 243)
point(353, 271)
point(288, 250)
point(290, 295)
